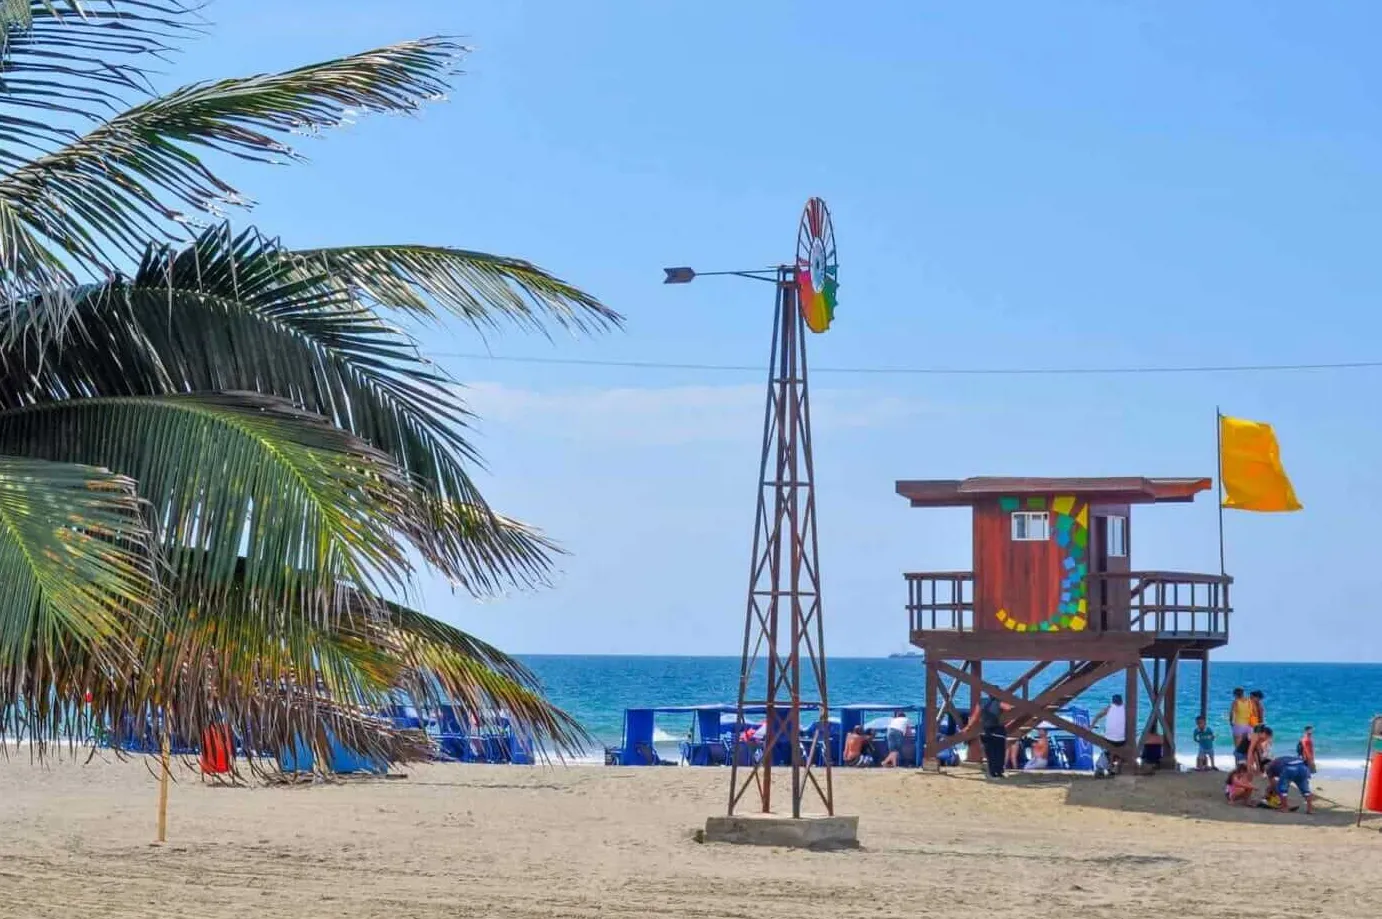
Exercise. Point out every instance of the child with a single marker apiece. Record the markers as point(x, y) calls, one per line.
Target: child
point(1204, 737)
point(1238, 788)
point(1305, 749)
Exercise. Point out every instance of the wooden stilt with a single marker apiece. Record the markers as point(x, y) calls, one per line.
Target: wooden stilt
point(1204, 686)
point(1168, 710)
point(163, 790)
point(931, 716)
point(1131, 738)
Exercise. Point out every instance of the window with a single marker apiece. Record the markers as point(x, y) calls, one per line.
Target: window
point(1031, 526)
point(1117, 537)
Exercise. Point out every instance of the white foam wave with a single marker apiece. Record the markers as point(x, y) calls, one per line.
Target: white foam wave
point(1330, 765)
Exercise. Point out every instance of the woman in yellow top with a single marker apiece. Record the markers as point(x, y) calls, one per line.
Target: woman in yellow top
point(1240, 715)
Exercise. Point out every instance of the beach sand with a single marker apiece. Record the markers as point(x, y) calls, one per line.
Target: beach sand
point(588, 841)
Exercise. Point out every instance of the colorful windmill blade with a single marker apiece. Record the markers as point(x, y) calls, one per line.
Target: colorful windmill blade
point(817, 268)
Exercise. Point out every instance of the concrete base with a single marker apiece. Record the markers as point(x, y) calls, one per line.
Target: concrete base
point(814, 832)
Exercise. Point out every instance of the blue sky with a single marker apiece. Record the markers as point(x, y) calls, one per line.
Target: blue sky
point(1013, 185)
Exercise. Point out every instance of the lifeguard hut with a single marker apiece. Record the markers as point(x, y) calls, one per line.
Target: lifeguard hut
point(1053, 584)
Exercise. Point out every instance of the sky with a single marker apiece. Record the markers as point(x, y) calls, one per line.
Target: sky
point(1014, 185)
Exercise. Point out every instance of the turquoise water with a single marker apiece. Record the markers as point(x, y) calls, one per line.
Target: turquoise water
point(1339, 700)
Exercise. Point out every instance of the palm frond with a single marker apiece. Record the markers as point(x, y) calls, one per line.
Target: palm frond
point(106, 193)
point(478, 287)
point(247, 479)
point(69, 62)
point(442, 663)
point(245, 661)
point(77, 585)
point(230, 313)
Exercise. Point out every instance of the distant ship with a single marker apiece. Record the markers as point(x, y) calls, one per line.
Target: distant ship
point(905, 654)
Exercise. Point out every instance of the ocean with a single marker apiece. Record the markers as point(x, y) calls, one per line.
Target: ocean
point(1339, 700)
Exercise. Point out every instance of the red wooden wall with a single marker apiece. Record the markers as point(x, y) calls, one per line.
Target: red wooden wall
point(1026, 585)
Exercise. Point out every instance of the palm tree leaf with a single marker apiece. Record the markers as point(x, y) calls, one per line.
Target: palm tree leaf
point(82, 59)
point(244, 477)
point(228, 313)
point(77, 585)
point(242, 660)
point(480, 288)
point(104, 194)
point(442, 663)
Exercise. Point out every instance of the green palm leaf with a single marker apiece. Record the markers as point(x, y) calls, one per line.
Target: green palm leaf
point(275, 676)
point(106, 193)
point(76, 586)
point(480, 288)
point(245, 478)
point(232, 313)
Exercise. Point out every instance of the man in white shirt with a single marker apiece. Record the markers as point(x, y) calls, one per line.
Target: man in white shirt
point(897, 733)
point(1115, 719)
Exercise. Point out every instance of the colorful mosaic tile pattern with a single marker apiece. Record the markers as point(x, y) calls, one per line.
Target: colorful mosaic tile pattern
point(1070, 524)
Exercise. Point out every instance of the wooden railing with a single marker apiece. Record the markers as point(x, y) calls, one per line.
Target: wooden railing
point(941, 601)
point(1173, 604)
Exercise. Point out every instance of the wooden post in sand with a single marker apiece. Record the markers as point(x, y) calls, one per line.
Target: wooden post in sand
point(163, 791)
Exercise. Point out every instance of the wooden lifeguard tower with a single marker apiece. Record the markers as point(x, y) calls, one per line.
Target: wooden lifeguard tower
point(1053, 584)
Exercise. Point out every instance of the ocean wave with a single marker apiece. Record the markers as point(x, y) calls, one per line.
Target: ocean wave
point(1330, 765)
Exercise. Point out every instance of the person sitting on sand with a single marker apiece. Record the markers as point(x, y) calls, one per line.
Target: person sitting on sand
point(1041, 752)
point(1204, 741)
point(1285, 771)
point(855, 741)
point(1305, 747)
point(1014, 755)
point(1238, 788)
point(898, 729)
point(1115, 718)
point(1152, 747)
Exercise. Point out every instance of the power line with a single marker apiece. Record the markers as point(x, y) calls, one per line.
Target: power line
point(929, 371)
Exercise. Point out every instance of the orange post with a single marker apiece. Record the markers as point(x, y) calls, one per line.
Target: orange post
point(1372, 794)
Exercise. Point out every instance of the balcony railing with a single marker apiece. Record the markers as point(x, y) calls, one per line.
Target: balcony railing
point(941, 601)
point(1169, 604)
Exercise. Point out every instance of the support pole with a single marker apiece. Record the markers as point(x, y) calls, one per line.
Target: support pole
point(1132, 737)
point(1204, 686)
point(930, 717)
point(163, 789)
point(1219, 477)
point(1168, 707)
point(975, 753)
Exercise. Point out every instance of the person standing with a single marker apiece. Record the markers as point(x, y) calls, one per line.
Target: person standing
point(1240, 716)
point(993, 735)
point(897, 736)
point(1258, 706)
point(1305, 747)
point(1204, 742)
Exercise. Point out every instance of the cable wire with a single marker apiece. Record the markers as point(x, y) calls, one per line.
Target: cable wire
point(929, 371)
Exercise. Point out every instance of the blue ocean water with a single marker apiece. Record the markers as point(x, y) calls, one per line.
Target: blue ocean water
point(1339, 700)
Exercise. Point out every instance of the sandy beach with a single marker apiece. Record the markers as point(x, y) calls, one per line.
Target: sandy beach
point(587, 841)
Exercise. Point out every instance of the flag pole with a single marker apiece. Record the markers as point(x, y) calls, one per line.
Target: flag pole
point(1219, 477)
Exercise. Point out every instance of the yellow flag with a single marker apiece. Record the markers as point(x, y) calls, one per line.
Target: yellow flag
point(1250, 468)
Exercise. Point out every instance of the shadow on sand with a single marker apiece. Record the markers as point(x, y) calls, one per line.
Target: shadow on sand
point(1191, 795)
